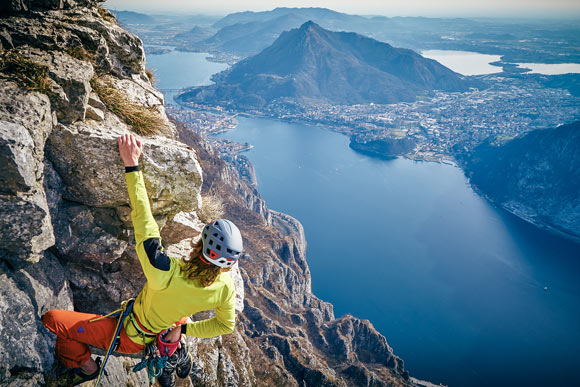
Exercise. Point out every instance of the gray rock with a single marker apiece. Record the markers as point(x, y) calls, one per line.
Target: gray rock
point(32, 111)
point(25, 228)
point(96, 177)
point(16, 157)
point(81, 232)
point(72, 75)
point(93, 113)
point(184, 225)
point(19, 6)
point(125, 54)
point(96, 102)
point(24, 295)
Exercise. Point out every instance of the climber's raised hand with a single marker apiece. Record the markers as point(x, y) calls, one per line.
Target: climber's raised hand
point(130, 149)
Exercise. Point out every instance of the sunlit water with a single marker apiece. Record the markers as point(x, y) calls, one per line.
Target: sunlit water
point(551, 69)
point(465, 62)
point(455, 285)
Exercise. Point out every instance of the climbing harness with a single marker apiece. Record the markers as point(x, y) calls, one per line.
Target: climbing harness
point(144, 332)
point(153, 361)
point(121, 313)
point(155, 354)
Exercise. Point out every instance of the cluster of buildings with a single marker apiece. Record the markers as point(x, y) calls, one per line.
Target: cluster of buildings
point(508, 108)
point(437, 124)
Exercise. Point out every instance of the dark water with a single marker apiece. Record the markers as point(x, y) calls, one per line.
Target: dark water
point(455, 285)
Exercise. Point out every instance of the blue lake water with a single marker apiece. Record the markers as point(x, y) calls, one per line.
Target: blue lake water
point(176, 70)
point(455, 285)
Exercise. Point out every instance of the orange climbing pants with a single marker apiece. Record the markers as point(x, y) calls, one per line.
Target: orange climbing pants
point(74, 333)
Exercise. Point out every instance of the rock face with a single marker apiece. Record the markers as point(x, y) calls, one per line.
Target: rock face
point(66, 240)
point(536, 177)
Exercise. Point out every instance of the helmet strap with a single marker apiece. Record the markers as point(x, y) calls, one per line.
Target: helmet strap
point(204, 261)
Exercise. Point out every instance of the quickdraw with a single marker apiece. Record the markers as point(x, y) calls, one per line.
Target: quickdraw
point(122, 314)
point(154, 363)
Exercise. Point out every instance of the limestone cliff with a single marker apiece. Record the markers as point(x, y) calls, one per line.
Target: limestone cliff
point(71, 81)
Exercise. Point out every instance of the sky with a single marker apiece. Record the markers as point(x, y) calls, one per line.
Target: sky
point(429, 8)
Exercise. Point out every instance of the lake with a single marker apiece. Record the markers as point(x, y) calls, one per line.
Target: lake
point(465, 62)
point(176, 70)
point(551, 69)
point(474, 63)
point(455, 285)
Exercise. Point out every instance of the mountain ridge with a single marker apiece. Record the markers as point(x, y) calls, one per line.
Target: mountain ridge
point(334, 67)
point(535, 177)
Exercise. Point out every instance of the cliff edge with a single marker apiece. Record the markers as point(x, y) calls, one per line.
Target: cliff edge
point(71, 81)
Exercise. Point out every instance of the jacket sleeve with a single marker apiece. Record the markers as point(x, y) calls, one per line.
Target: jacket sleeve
point(222, 323)
point(157, 266)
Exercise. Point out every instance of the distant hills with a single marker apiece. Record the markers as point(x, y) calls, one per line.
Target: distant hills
point(311, 63)
point(536, 177)
point(247, 33)
point(130, 17)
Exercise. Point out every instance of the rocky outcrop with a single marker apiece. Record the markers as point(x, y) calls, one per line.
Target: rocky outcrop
point(68, 75)
point(384, 148)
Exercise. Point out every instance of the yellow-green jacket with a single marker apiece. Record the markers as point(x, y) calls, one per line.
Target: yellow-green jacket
point(168, 295)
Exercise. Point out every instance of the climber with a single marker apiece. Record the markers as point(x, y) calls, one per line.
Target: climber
point(175, 289)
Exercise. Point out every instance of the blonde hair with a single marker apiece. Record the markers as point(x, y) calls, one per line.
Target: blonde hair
point(195, 268)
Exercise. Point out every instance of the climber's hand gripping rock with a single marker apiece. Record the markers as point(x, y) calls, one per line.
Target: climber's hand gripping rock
point(130, 149)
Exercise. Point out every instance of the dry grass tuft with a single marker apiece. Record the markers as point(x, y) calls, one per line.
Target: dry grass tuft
point(106, 14)
point(144, 120)
point(151, 75)
point(212, 208)
point(31, 75)
point(79, 52)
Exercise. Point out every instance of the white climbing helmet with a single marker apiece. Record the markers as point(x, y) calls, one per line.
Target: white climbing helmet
point(222, 243)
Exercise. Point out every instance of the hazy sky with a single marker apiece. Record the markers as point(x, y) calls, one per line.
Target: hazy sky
point(510, 8)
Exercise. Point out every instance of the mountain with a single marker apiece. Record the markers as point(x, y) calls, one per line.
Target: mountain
point(247, 33)
point(71, 81)
point(311, 63)
point(535, 177)
point(130, 17)
point(316, 14)
point(250, 38)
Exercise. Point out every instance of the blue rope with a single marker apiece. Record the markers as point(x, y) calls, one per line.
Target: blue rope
point(123, 313)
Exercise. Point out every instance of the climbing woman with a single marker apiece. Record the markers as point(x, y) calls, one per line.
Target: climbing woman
point(175, 289)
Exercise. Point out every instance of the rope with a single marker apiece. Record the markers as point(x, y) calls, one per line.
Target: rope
point(126, 307)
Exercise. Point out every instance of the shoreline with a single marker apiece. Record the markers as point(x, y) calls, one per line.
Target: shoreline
point(432, 157)
point(440, 159)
